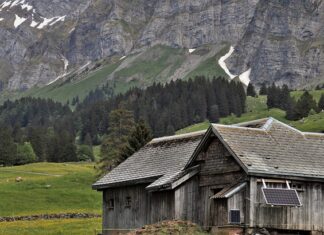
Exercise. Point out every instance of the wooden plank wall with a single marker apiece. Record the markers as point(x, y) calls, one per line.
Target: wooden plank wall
point(161, 206)
point(122, 217)
point(238, 202)
point(218, 169)
point(187, 200)
point(310, 216)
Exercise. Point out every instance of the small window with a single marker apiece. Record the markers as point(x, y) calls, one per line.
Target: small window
point(128, 202)
point(298, 187)
point(234, 217)
point(111, 203)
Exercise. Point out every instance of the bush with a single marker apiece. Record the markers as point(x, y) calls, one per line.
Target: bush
point(25, 154)
point(85, 153)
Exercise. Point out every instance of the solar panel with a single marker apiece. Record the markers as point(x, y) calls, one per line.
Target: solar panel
point(234, 216)
point(281, 197)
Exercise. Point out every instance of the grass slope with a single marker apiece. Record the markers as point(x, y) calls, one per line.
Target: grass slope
point(257, 109)
point(48, 188)
point(210, 66)
point(157, 64)
point(52, 227)
point(64, 91)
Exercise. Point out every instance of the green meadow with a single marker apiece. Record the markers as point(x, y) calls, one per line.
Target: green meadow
point(49, 188)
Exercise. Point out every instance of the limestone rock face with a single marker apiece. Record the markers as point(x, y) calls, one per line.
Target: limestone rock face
point(281, 41)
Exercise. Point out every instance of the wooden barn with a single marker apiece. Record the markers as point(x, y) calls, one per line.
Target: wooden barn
point(259, 177)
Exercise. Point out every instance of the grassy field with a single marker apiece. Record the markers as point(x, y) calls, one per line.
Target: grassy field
point(48, 188)
point(257, 109)
point(316, 94)
point(52, 227)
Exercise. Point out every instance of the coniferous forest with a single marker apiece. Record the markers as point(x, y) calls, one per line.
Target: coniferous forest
point(36, 129)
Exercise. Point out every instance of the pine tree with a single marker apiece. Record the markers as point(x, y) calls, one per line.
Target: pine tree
point(121, 123)
point(284, 96)
point(139, 137)
point(263, 89)
point(304, 105)
point(250, 90)
point(214, 114)
point(8, 149)
point(291, 109)
point(321, 103)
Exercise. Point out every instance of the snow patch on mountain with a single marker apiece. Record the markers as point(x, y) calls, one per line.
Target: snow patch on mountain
point(223, 65)
point(66, 65)
point(19, 21)
point(191, 50)
point(71, 30)
point(50, 21)
point(1, 19)
point(58, 19)
point(5, 4)
point(244, 77)
point(28, 7)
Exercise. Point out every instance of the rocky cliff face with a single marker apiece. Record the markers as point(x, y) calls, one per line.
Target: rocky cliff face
point(41, 41)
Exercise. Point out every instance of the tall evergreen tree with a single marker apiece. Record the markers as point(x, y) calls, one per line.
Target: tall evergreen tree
point(121, 123)
point(263, 89)
point(304, 105)
point(139, 137)
point(8, 149)
point(214, 114)
point(321, 103)
point(251, 90)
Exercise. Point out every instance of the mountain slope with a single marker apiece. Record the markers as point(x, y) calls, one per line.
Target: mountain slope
point(43, 41)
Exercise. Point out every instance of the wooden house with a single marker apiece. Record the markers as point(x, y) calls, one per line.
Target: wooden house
point(259, 177)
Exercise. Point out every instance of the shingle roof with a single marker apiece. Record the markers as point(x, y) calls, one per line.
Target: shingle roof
point(275, 149)
point(158, 162)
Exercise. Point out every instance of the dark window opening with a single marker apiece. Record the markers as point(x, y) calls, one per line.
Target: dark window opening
point(111, 204)
point(234, 217)
point(298, 187)
point(128, 202)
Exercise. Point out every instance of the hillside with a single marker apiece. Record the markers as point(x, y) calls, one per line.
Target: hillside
point(49, 188)
point(257, 109)
point(157, 64)
point(47, 41)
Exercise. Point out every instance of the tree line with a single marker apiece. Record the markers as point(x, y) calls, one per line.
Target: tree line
point(49, 131)
point(296, 109)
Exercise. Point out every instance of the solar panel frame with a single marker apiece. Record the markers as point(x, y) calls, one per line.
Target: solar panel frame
point(281, 204)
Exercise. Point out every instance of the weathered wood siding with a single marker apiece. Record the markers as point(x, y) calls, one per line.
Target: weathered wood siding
point(218, 170)
point(310, 216)
point(161, 206)
point(218, 167)
point(238, 202)
point(219, 212)
point(122, 217)
point(187, 200)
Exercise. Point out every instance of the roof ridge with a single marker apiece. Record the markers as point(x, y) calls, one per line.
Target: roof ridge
point(290, 127)
point(238, 127)
point(177, 137)
point(242, 124)
point(314, 133)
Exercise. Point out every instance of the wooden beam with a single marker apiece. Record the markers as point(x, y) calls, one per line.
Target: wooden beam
point(184, 178)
